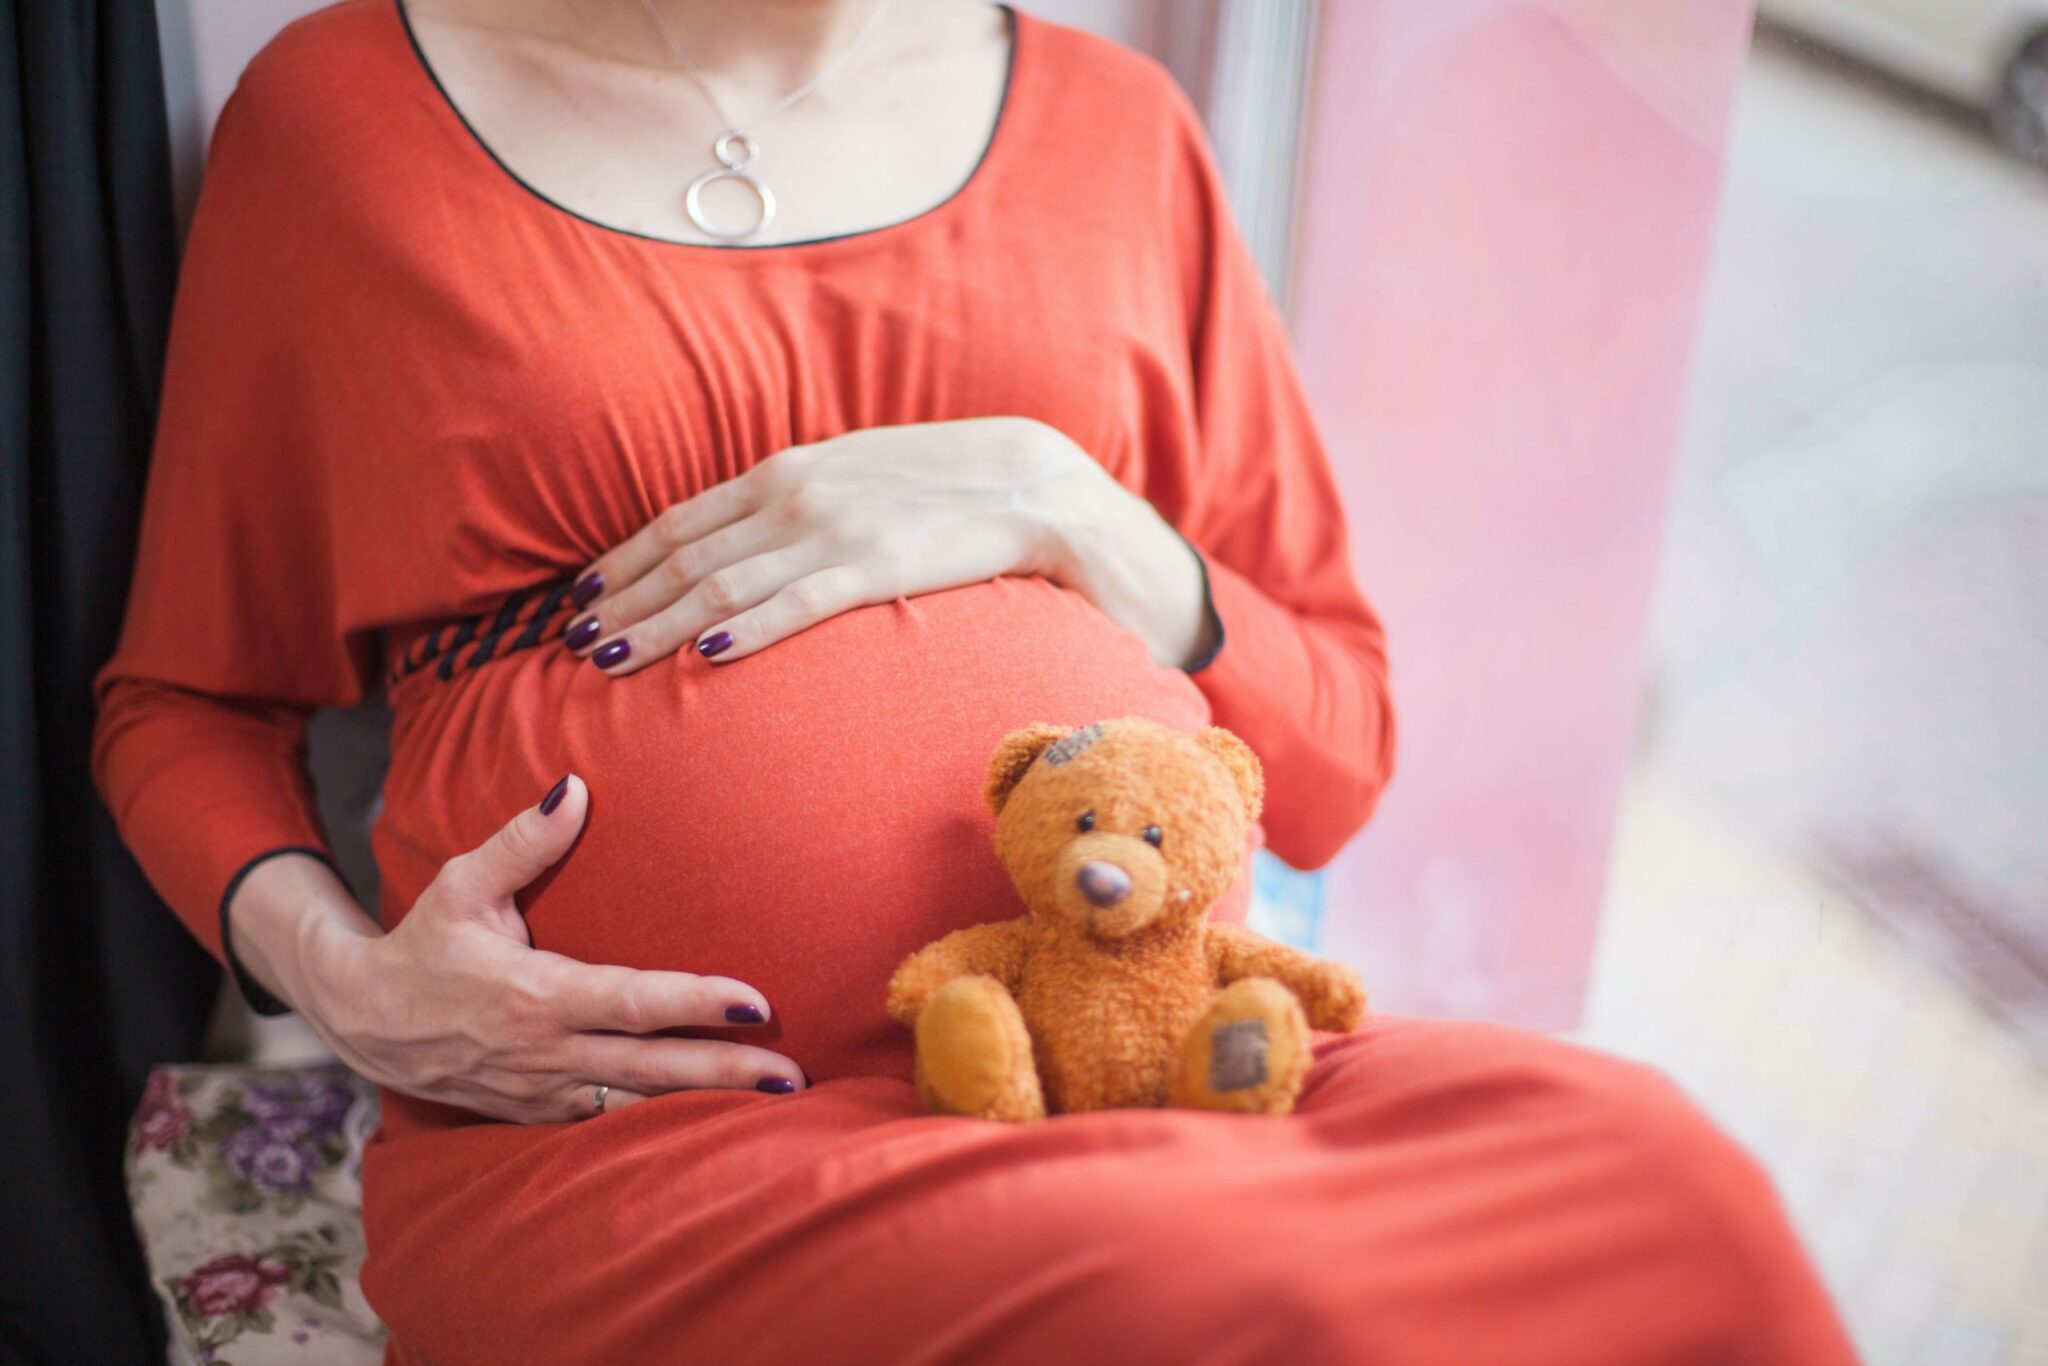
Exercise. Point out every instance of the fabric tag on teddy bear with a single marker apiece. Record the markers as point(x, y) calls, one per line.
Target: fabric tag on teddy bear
point(1072, 743)
point(1238, 1055)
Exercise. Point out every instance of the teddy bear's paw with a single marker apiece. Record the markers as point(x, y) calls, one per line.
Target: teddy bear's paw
point(974, 1053)
point(1337, 1001)
point(1248, 1052)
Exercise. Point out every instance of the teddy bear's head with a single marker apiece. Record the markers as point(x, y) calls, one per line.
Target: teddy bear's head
point(1122, 824)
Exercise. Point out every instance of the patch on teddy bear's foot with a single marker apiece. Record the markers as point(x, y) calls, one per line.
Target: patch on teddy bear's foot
point(1247, 1052)
point(1237, 1057)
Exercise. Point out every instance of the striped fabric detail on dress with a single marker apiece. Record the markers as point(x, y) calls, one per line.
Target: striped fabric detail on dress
point(520, 620)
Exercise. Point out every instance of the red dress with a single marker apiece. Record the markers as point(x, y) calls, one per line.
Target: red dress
point(407, 397)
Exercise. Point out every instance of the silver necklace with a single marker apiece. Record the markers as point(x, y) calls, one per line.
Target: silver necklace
point(734, 148)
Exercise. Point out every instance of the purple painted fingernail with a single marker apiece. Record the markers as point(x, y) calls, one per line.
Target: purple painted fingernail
point(744, 1014)
point(554, 797)
point(714, 644)
point(612, 653)
point(780, 1086)
point(591, 585)
point(582, 633)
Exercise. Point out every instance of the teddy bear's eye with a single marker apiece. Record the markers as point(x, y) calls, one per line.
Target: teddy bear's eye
point(1086, 823)
point(1153, 835)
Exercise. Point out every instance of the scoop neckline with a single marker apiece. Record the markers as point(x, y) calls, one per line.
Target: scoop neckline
point(1018, 23)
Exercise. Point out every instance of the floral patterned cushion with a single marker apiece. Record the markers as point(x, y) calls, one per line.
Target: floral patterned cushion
point(246, 1188)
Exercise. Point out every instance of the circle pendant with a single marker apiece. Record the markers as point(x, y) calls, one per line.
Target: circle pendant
point(693, 204)
point(734, 149)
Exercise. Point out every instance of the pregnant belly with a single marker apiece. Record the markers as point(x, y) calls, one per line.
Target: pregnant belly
point(800, 819)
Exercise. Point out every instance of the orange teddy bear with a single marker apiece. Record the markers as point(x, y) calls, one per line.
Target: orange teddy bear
point(1114, 990)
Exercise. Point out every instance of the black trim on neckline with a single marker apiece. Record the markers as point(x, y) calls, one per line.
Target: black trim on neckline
point(995, 134)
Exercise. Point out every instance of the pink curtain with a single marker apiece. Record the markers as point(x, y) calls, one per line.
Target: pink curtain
point(1505, 233)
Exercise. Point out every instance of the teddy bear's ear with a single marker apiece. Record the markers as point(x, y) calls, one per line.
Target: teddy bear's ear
point(1013, 757)
point(1244, 767)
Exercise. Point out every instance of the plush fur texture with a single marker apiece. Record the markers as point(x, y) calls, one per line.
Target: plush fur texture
point(1115, 990)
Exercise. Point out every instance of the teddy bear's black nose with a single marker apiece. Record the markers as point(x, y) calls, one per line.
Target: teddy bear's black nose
point(1105, 884)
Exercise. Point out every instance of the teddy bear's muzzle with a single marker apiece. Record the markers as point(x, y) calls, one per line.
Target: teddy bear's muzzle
point(1102, 883)
point(1111, 884)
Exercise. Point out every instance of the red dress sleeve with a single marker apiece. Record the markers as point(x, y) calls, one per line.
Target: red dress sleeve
point(1301, 671)
point(231, 636)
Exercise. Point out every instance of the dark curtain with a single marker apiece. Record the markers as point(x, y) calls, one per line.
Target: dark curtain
point(97, 980)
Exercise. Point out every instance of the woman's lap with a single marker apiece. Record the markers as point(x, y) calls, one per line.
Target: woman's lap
point(1445, 1192)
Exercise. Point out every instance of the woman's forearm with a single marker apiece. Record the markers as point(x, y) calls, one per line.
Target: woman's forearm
point(286, 912)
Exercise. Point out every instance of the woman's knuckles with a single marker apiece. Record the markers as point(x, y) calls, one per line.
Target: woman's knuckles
point(781, 474)
point(530, 994)
point(647, 1072)
point(722, 593)
point(811, 599)
point(672, 524)
point(529, 1088)
point(805, 505)
point(530, 842)
point(632, 1009)
point(679, 570)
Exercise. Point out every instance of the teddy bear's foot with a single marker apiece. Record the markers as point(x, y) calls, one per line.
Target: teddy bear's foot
point(1248, 1052)
point(974, 1053)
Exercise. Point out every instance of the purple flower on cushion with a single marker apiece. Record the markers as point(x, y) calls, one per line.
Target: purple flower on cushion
point(300, 1105)
point(272, 1161)
point(162, 1120)
point(233, 1284)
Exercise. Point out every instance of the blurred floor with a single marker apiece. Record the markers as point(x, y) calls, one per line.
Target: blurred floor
point(1829, 911)
point(1905, 1128)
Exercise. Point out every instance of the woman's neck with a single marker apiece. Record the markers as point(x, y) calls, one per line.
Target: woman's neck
point(759, 49)
point(752, 51)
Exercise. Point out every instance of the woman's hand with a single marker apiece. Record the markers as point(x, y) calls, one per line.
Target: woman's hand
point(883, 513)
point(456, 1006)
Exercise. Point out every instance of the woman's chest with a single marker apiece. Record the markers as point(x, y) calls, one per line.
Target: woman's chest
point(526, 410)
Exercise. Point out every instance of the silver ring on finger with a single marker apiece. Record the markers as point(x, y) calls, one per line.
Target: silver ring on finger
point(597, 1099)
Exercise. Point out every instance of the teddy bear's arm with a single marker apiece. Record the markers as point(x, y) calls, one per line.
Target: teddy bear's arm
point(995, 949)
point(1329, 992)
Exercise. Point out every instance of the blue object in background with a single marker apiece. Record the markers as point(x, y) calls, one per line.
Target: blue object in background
point(1287, 904)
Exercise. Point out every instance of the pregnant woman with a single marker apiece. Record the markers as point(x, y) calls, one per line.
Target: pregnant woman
point(950, 401)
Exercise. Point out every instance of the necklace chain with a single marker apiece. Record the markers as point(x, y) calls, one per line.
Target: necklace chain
point(734, 127)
